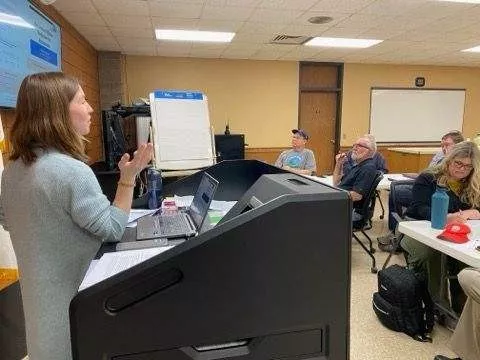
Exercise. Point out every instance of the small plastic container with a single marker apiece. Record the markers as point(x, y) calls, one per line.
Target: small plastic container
point(169, 207)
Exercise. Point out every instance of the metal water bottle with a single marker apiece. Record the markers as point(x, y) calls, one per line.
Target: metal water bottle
point(154, 188)
point(439, 208)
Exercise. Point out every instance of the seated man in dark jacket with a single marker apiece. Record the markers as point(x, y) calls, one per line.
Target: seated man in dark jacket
point(358, 179)
point(377, 158)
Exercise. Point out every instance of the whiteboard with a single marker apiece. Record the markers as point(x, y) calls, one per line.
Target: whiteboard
point(413, 115)
point(182, 135)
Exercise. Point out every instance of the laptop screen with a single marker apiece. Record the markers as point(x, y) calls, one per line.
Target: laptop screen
point(202, 199)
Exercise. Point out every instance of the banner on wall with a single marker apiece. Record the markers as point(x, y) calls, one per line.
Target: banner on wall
point(7, 255)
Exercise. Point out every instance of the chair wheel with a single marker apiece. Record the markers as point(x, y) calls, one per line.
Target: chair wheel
point(374, 270)
point(373, 250)
point(381, 217)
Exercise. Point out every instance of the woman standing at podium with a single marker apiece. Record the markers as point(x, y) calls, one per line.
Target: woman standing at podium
point(53, 207)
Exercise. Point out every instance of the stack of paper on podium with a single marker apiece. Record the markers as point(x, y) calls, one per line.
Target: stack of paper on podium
point(115, 262)
point(182, 134)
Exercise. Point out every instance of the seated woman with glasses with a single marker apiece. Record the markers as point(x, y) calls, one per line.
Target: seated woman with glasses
point(459, 171)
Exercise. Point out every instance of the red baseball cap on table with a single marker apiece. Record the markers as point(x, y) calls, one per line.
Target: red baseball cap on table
point(456, 233)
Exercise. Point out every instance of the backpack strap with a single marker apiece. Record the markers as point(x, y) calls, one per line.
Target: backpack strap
point(427, 302)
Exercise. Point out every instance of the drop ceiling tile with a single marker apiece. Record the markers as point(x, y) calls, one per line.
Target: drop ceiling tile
point(125, 7)
point(343, 32)
point(77, 6)
point(275, 16)
point(197, 46)
point(127, 21)
point(167, 10)
point(287, 4)
point(305, 30)
point(349, 6)
point(133, 42)
point(389, 7)
point(381, 33)
point(140, 52)
point(247, 3)
point(94, 30)
point(236, 13)
point(83, 18)
point(243, 46)
point(178, 46)
point(359, 21)
point(219, 25)
point(439, 9)
point(250, 27)
point(105, 43)
point(174, 23)
point(134, 33)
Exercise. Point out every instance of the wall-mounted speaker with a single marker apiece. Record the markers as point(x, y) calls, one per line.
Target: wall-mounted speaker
point(420, 81)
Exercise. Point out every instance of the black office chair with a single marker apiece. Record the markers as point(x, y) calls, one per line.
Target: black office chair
point(362, 224)
point(400, 204)
point(377, 195)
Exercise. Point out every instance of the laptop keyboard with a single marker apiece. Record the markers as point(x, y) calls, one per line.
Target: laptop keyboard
point(171, 224)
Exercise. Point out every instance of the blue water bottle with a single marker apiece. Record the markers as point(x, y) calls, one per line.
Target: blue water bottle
point(439, 208)
point(154, 188)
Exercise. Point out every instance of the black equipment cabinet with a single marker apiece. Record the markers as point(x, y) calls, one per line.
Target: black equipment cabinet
point(230, 147)
point(272, 281)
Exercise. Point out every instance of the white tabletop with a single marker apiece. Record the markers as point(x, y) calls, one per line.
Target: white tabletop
point(416, 150)
point(423, 232)
point(384, 184)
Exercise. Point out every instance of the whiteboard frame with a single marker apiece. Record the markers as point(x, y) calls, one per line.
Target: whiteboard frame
point(412, 89)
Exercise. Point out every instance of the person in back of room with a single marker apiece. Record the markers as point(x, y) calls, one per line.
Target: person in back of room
point(448, 141)
point(465, 341)
point(359, 178)
point(53, 206)
point(378, 159)
point(298, 159)
point(460, 173)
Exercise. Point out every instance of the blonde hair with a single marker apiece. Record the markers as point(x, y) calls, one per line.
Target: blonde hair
point(42, 118)
point(471, 191)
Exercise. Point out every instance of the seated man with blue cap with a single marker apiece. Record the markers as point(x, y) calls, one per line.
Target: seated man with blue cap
point(298, 159)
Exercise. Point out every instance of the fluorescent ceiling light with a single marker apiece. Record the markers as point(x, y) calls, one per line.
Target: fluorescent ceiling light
point(14, 20)
point(475, 49)
point(342, 42)
point(187, 35)
point(463, 1)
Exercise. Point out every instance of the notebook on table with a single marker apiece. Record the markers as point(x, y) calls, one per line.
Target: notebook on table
point(183, 224)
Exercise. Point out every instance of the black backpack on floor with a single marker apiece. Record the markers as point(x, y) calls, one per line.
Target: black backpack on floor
point(403, 302)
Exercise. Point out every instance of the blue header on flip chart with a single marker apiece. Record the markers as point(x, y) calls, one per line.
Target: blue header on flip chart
point(178, 95)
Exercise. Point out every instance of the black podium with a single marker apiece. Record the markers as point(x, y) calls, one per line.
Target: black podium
point(270, 281)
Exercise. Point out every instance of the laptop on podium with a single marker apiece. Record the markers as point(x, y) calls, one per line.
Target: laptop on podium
point(183, 224)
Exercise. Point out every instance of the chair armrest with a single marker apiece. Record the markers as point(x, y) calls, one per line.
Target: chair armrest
point(397, 217)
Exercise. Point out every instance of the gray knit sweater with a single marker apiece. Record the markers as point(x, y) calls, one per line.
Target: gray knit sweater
point(57, 217)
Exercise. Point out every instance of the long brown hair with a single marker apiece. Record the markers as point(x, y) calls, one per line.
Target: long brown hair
point(42, 118)
point(471, 191)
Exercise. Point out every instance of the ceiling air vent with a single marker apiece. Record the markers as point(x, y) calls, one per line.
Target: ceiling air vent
point(290, 39)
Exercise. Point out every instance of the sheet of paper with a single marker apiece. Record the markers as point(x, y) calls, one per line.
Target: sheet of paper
point(183, 201)
point(222, 205)
point(138, 213)
point(115, 262)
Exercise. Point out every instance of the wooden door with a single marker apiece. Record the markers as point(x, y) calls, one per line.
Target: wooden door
point(318, 116)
